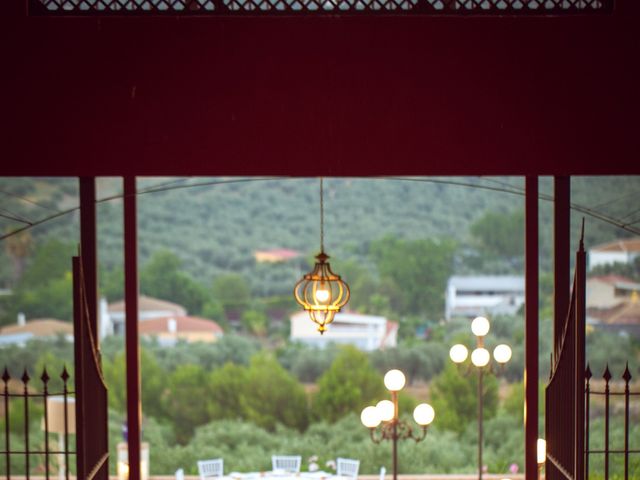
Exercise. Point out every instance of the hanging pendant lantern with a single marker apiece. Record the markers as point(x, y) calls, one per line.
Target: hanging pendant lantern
point(321, 292)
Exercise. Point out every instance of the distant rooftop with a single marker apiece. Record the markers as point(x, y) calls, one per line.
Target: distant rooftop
point(275, 255)
point(41, 327)
point(625, 313)
point(149, 304)
point(622, 246)
point(487, 282)
point(616, 280)
point(182, 324)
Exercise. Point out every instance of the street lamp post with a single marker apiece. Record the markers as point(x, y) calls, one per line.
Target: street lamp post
point(480, 358)
point(541, 454)
point(386, 412)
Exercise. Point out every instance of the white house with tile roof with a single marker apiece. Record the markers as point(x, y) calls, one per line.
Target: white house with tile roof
point(619, 251)
point(366, 332)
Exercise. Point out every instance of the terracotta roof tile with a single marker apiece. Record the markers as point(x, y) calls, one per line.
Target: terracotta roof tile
point(626, 313)
point(183, 324)
point(612, 279)
point(148, 303)
point(42, 327)
point(624, 245)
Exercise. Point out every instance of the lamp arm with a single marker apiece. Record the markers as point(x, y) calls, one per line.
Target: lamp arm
point(496, 368)
point(419, 438)
point(406, 431)
point(374, 437)
point(465, 369)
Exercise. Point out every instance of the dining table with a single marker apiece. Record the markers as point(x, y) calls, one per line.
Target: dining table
point(283, 475)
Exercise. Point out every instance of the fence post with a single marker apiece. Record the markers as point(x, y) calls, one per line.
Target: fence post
point(587, 375)
point(6, 377)
point(627, 378)
point(607, 392)
point(25, 382)
point(45, 381)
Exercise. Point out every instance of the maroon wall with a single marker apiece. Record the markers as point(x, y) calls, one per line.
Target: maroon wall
point(333, 96)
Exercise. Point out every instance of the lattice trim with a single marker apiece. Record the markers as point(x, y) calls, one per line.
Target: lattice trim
point(207, 7)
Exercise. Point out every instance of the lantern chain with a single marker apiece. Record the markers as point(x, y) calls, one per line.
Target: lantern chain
point(321, 216)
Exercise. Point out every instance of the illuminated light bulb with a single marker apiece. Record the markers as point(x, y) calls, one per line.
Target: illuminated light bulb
point(386, 410)
point(541, 450)
point(502, 353)
point(480, 326)
point(458, 353)
point(480, 357)
point(123, 470)
point(394, 380)
point(322, 295)
point(424, 414)
point(370, 417)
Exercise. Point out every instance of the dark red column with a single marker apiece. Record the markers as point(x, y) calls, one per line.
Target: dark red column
point(84, 304)
point(131, 326)
point(531, 328)
point(88, 247)
point(561, 250)
point(91, 395)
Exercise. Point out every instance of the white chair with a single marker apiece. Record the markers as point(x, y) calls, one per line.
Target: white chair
point(180, 474)
point(210, 468)
point(382, 472)
point(288, 463)
point(347, 467)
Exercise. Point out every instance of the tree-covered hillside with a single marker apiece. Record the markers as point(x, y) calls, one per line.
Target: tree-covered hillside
point(395, 241)
point(215, 227)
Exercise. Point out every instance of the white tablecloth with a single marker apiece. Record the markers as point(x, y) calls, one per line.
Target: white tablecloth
point(276, 475)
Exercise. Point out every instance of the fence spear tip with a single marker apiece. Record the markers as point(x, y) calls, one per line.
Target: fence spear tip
point(65, 375)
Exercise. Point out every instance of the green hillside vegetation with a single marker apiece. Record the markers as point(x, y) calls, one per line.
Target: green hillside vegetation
point(238, 413)
point(394, 241)
point(215, 228)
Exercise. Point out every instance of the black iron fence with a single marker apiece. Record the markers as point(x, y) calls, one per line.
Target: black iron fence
point(610, 456)
point(29, 449)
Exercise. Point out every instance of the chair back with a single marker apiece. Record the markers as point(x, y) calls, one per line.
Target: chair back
point(347, 467)
point(288, 463)
point(210, 468)
point(180, 474)
point(382, 472)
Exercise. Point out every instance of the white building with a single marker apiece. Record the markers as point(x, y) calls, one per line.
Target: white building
point(618, 251)
point(112, 318)
point(607, 291)
point(470, 296)
point(367, 332)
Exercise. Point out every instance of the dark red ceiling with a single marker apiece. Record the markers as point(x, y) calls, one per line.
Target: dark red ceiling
point(420, 95)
